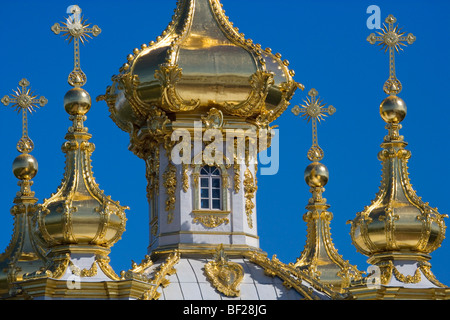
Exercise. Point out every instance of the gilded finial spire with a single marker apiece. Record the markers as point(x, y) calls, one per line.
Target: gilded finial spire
point(79, 219)
point(397, 231)
point(314, 110)
point(393, 39)
point(24, 100)
point(24, 253)
point(76, 29)
point(320, 258)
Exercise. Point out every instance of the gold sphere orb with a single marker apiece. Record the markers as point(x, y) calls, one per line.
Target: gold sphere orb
point(25, 167)
point(316, 175)
point(77, 102)
point(393, 109)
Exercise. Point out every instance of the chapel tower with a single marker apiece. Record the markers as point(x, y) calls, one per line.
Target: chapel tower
point(198, 103)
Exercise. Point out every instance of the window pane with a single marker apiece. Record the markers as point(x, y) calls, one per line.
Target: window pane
point(205, 193)
point(215, 171)
point(205, 204)
point(204, 171)
point(204, 182)
point(215, 193)
point(216, 204)
point(216, 183)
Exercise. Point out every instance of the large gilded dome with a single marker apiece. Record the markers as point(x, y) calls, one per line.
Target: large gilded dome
point(200, 61)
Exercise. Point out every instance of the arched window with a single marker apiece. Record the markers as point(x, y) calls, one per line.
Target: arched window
point(210, 188)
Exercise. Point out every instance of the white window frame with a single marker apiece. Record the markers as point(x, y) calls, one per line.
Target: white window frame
point(213, 174)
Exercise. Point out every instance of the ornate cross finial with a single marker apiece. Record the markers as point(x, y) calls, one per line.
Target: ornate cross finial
point(26, 101)
point(391, 38)
point(76, 29)
point(314, 110)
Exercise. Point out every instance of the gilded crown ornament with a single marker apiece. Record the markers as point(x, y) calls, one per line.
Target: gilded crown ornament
point(76, 29)
point(223, 274)
point(397, 228)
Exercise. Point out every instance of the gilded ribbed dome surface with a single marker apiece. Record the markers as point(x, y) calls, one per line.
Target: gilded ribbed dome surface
point(200, 61)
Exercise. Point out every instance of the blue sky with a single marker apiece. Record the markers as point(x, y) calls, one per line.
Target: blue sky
point(325, 42)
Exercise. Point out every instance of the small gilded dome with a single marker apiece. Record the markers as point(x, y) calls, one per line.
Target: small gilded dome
point(397, 223)
point(200, 61)
point(79, 213)
point(25, 167)
point(393, 109)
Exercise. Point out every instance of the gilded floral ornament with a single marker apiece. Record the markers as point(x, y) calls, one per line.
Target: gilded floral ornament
point(249, 190)
point(223, 274)
point(170, 184)
point(211, 220)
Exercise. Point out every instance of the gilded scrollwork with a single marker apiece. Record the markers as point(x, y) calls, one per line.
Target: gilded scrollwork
point(388, 270)
point(292, 277)
point(169, 75)
point(260, 82)
point(91, 272)
point(103, 262)
point(213, 120)
point(160, 277)
point(211, 219)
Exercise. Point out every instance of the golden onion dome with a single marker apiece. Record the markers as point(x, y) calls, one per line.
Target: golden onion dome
point(200, 61)
point(79, 213)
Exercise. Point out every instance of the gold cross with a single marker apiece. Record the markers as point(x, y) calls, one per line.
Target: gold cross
point(314, 110)
point(76, 29)
point(26, 101)
point(391, 38)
